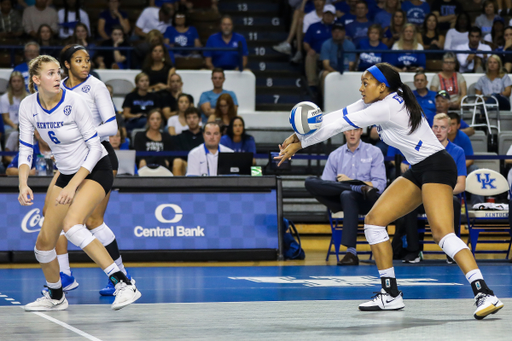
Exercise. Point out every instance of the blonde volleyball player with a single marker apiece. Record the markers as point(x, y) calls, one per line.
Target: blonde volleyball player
point(63, 120)
point(391, 106)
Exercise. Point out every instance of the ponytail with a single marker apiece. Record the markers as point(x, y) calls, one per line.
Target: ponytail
point(395, 84)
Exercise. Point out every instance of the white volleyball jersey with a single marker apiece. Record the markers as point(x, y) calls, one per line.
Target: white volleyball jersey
point(98, 99)
point(392, 120)
point(67, 128)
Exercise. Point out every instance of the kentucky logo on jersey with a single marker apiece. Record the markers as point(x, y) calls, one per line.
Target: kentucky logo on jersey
point(67, 110)
point(485, 181)
point(86, 88)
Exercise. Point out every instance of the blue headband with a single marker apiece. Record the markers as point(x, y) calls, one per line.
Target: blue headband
point(378, 75)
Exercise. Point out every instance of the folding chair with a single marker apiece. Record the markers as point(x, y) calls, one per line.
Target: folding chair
point(487, 182)
point(336, 219)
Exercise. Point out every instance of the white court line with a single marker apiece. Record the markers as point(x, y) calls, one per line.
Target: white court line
point(67, 326)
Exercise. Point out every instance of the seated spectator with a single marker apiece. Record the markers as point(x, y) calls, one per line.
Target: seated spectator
point(507, 58)
point(45, 39)
point(332, 56)
point(188, 139)
point(113, 59)
point(225, 111)
point(314, 15)
point(170, 95)
point(495, 83)
point(358, 29)
point(10, 101)
point(473, 8)
point(457, 136)
point(346, 11)
point(181, 34)
point(159, 67)
point(408, 41)
point(68, 18)
point(367, 59)
point(383, 18)
point(472, 62)
point(316, 35)
point(138, 103)
point(443, 107)
point(237, 139)
point(450, 80)
point(208, 99)
point(154, 18)
point(119, 141)
point(226, 38)
point(441, 128)
point(426, 98)
point(153, 140)
point(143, 49)
point(337, 191)
point(111, 17)
point(40, 148)
point(11, 145)
point(485, 20)
point(416, 11)
point(177, 123)
point(11, 19)
point(37, 15)
point(446, 12)
point(31, 51)
point(392, 32)
point(431, 38)
point(82, 37)
point(496, 39)
point(459, 34)
point(203, 160)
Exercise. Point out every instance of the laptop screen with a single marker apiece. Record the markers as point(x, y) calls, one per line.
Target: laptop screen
point(234, 164)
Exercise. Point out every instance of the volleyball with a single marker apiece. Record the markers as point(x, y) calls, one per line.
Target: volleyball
point(306, 118)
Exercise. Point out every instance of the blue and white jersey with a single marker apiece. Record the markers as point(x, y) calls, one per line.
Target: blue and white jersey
point(98, 100)
point(391, 118)
point(67, 128)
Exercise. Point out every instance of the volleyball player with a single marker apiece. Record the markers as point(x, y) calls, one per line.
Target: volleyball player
point(64, 121)
point(391, 106)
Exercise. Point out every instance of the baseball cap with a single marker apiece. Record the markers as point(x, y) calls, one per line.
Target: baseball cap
point(338, 26)
point(330, 8)
point(444, 94)
point(495, 19)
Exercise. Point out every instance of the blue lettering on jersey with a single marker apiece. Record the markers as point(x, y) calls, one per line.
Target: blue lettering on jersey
point(49, 125)
point(86, 88)
point(398, 98)
point(67, 110)
point(29, 158)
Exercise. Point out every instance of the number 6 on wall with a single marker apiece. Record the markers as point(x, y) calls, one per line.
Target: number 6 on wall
point(54, 139)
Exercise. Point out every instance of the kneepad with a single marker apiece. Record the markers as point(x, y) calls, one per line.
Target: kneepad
point(80, 236)
point(45, 256)
point(104, 234)
point(375, 234)
point(451, 245)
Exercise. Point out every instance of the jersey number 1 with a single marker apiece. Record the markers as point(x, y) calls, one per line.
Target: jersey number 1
point(54, 139)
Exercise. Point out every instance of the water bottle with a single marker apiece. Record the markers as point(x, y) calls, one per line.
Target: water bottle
point(40, 165)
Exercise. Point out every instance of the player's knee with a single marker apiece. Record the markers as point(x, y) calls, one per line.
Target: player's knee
point(69, 222)
point(80, 236)
point(451, 244)
point(93, 222)
point(369, 219)
point(375, 234)
point(43, 256)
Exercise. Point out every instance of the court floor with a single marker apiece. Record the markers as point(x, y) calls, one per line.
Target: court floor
point(263, 302)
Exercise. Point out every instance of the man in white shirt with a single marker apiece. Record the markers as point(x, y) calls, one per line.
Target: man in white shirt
point(154, 18)
point(473, 62)
point(203, 160)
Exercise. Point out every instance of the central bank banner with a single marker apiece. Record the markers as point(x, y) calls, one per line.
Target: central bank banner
point(161, 221)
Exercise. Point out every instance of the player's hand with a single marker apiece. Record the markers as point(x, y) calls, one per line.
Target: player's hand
point(291, 139)
point(288, 152)
point(26, 196)
point(66, 196)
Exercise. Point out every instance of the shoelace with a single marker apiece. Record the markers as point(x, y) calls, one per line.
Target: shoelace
point(377, 295)
point(122, 285)
point(480, 298)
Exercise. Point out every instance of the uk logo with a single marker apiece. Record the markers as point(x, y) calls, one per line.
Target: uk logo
point(29, 158)
point(485, 181)
point(86, 88)
point(67, 110)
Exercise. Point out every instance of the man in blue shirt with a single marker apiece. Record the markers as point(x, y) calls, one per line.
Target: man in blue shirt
point(426, 98)
point(208, 99)
point(315, 36)
point(458, 137)
point(226, 38)
point(31, 51)
point(358, 29)
point(353, 178)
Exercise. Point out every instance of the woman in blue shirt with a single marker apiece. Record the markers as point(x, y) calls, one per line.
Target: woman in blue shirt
point(408, 41)
point(367, 59)
point(237, 139)
point(182, 35)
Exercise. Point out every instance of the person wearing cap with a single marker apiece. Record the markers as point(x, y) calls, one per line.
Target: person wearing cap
point(485, 20)
point(450, 80)
point(472, 62)
point(358, 29)
point(446, 12)
point(316, 35)
point(495, 83)
point(426, 98)
point(332, 54)
point(443, 107)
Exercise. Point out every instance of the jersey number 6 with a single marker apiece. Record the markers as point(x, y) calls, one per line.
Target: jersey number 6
point(55, 140)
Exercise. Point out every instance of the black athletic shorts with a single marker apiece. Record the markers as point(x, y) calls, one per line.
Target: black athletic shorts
point(438, 168)
point(102, 174)
point(111, 154)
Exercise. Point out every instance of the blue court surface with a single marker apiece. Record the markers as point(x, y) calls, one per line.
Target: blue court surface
point(244, 284)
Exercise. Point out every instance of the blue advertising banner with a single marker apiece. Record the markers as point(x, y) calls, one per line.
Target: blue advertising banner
point(161, 221)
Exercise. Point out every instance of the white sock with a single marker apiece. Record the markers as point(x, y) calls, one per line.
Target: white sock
point(112, 268)
point(387, 273)
point(474, 275)
point(56, 285)
point(120, 265)
point(64, 264)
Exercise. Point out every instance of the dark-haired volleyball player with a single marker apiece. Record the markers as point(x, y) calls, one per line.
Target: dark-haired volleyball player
point(391, 106)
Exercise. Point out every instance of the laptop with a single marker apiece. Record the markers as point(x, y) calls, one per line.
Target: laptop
point(126, 162)
point(234, 164)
